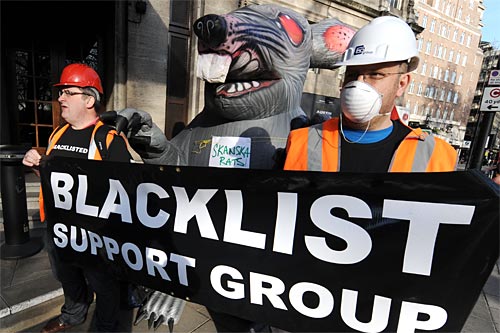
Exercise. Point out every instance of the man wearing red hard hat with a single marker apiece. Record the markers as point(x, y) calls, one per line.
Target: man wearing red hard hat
point(80, 94)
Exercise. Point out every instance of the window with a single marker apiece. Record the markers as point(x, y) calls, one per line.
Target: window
point(420, 41)
point(424, 68)
point(441, 96)
point(452, 115)
point(438, 114)
point(455, 35)
point(469, 37)
point(448, 8)
point(435, 72)
point(433, 25)
point(424, 21)
point(455, 98)
point(34, 95)
point(467, 19)
point(396, 4)
point(415, 108)
point(450, 55)
point(426, 92)
point(453, 77)
point(462, 38)
point(464, 60)
point(446, 75)
point(411, 88)
point(431, 92)
point(419, 91)
point(428, 47)
point(457, 59)
point(444, 53)
point(471, 4)
point(459, 14)
point(408, 105)
point(178, 79)
point(440, 51)
point(448, 97)
point(445, 113)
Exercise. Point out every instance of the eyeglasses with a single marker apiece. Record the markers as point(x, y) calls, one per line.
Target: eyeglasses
point(71, 93)
point(370, 76)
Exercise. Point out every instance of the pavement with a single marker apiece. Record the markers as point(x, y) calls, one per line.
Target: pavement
point(30, 295)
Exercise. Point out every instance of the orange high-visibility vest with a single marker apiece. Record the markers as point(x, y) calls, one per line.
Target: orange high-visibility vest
point(317, 148)
point(93, 154)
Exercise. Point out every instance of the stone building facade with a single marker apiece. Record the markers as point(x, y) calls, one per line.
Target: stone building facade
point(322, 85)
point(146, 54)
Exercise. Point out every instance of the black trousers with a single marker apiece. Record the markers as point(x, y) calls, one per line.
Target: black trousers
point(78, 285)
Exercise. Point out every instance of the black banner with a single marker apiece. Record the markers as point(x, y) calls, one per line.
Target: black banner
point(302, 251)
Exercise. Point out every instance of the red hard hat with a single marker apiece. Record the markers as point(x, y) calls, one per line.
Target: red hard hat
point(80, 75)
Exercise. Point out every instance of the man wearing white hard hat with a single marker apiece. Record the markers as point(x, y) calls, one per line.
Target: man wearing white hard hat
point(378, 61)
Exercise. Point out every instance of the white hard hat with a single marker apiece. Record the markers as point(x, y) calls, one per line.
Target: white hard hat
point(384, 39)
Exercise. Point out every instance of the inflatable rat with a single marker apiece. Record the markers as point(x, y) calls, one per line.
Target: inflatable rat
point(254, 62)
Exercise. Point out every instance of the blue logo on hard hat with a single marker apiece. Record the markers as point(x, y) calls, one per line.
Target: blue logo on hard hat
point(359, 49)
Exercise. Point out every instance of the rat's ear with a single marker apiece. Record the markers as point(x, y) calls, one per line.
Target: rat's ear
point(330, 39)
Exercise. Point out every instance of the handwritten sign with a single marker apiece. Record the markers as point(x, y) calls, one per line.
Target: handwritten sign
point(230, 152)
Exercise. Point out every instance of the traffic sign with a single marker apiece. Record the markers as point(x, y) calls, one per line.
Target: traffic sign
point(491, 99)
point(494, 78)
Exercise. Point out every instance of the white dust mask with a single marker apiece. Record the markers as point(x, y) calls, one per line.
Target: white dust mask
point(360, 102)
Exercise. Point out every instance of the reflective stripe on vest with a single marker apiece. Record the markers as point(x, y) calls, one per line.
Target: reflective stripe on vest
point(421, 148)
point(319, 156)
point(93, 154)
point(314, 148)
point(323, 139)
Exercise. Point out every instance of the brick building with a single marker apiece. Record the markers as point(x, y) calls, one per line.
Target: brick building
point(441, 92)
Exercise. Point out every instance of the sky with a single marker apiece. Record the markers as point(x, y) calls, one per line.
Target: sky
point(491, 29)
